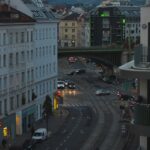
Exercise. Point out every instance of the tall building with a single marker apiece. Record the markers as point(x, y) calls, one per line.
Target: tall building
point(140, 68)
point(29, 64)
point(114, 25)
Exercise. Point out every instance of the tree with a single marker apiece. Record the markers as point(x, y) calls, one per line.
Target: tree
point(47, 109)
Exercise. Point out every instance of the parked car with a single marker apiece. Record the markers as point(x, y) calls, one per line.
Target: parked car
point(60, 84)
point(80, 71)
point(66, 82)
point(40, 134)
point(71, 85)
point(102, 92)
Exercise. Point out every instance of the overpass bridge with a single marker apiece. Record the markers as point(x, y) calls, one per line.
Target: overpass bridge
point(108, 55)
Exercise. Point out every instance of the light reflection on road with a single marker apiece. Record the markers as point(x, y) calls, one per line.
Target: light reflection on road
point(67, 92)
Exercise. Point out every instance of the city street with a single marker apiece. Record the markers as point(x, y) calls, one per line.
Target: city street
point(93, 120)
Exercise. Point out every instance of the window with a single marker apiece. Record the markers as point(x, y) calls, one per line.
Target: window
point(23, 99)
point(73, 30)
point(66, 30)
point(22, 37)
point(17, 99)
point(10, 59)
point(5, 82)
point(0, 83)
point(31, 54)
point(4, 39)
point(66, 23)
point(11, 103)
point(28, 75)
point(17, 58)
point(0, 61)
point(10, 38)
point(5, 106)
point(16, 37)
point(28, 95)
point(66, 36)
point(22, 56)
point(23, 77)
point(31, 36)
point(0, 107)
point(54, 50)
point(32, 75)
point(73, 23)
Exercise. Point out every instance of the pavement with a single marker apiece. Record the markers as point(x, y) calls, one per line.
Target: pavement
point(55, 123)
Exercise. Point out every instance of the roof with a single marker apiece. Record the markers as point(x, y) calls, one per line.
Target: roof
point(73, 16)
point(11, 15)
point(39, 12)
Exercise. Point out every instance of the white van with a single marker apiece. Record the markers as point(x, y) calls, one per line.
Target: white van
point(40, 134)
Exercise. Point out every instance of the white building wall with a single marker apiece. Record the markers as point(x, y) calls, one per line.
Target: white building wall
point(145, 11)
point(46, 63)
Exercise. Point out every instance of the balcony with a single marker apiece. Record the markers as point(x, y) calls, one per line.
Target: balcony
point(142, 119)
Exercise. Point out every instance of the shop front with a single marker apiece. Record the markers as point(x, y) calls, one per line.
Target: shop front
point(29, 116)
point(8, 128)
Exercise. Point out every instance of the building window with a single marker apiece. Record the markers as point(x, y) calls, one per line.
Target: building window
point(31, 36)
point(0, 107)
point(4, 39)
point(66, 23)
point(73, 30)
point(4, 60)
point(23, 99)
point(10, 59)
point(17, 99)
point(31, 54)
point(11, 103)
point(10, 38)
point(0, 83)
point(16, 37)
point(54, 50)
point(5, 106)
point(73, 23)
point(66, 36)
point(66, 30)
point(22, 37)
point(5, 82)
point(17, 58)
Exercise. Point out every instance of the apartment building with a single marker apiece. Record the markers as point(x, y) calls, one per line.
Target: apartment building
point(72, 30)
point(29, 64)
point(139, 68)
point(114, 25)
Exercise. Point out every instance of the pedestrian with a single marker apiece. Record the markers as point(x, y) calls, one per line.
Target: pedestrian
point(4, 142)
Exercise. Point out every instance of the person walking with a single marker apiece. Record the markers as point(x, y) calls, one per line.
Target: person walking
point(4, 142)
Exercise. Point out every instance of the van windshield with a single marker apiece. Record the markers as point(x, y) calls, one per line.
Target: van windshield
point(37, 134)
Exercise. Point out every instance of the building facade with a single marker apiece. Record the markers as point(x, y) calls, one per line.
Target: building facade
point(139, 68)
point(72, 31)
point(29, 65)
point(114, 25)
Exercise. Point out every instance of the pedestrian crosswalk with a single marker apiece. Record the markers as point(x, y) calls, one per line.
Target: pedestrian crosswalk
point(76, 105)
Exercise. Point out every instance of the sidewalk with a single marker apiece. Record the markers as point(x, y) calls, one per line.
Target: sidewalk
point(55, 123)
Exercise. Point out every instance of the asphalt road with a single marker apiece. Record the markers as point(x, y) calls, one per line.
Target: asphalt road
point(93, 122)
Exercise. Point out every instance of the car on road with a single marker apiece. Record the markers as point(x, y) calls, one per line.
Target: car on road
point(71, 85)
point(60, 84)
point(102, 92)
point(40, 134)
point(80, 71)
